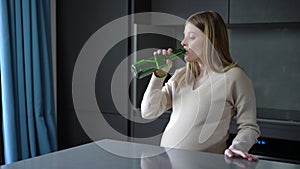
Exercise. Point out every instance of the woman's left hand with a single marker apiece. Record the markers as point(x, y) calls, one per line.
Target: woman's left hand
point(238, 153)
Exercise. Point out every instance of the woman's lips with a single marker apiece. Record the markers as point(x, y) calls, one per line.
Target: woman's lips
point(186, 53)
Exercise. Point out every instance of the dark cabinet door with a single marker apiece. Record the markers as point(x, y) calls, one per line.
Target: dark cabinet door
point(185, 8)
point(264, 11)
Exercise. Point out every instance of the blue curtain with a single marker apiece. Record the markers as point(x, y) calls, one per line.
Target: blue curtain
point(29, 126)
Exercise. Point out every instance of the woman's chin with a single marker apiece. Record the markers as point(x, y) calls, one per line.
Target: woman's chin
point(189, 59)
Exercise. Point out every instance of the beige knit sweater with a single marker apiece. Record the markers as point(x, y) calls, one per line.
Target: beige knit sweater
point(201, 117)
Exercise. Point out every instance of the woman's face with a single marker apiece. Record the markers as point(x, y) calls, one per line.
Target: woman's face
point(193, 43)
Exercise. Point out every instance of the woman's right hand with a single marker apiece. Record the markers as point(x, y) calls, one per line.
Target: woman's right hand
point(168, 61)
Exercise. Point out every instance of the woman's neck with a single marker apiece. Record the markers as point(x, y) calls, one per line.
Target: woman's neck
point(202, 77)
point(203, 70)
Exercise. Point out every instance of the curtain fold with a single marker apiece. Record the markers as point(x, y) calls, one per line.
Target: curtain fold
point(29, 126)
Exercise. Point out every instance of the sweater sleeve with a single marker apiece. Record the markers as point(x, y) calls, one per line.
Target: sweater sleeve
point(156, 99)
point(245, 106)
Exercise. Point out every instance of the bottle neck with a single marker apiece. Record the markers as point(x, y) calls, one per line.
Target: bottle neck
point(179, 52)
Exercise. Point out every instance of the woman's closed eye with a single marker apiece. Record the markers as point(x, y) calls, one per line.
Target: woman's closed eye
point(191, 37)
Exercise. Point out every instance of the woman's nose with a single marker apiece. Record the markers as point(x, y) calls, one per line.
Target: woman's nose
point(183, 42)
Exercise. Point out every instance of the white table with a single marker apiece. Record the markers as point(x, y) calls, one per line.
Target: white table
point(112, 154)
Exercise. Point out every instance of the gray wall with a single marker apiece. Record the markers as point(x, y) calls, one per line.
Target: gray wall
point(270, 55)
point(264, 38)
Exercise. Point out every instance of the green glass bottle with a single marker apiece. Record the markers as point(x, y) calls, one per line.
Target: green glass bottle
point(145, 67)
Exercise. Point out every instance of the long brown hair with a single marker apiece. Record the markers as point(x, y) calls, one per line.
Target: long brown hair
point(216, 54)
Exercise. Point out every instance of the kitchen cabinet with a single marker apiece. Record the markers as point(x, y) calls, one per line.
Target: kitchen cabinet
point(185, 8)
point(263, 11)
point(77, 22)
